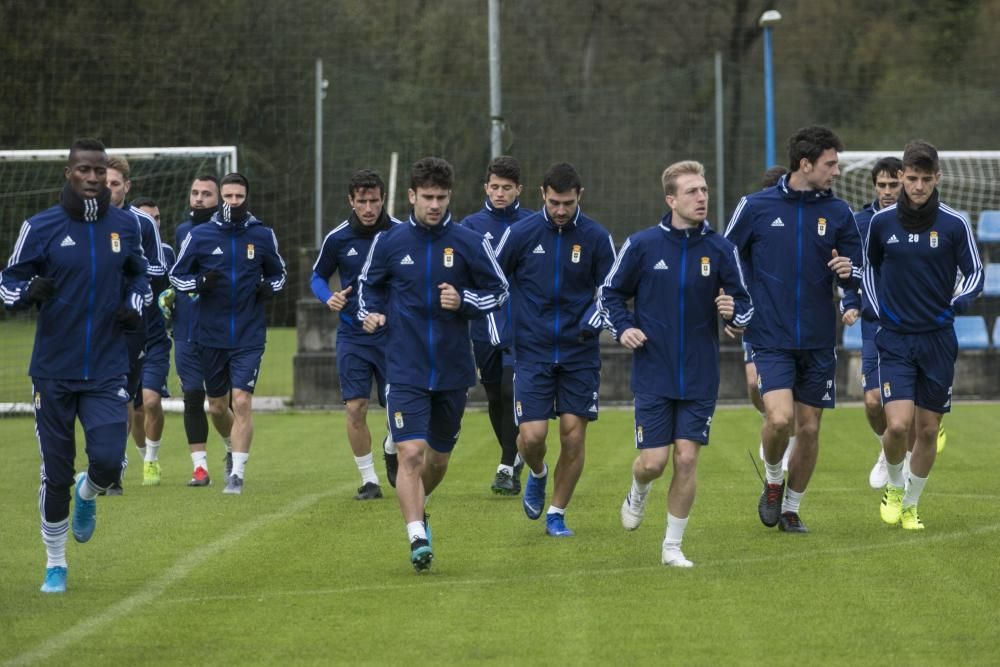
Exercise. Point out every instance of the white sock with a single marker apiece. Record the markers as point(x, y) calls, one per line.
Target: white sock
point(675, 531)
point(87, 489)
point(555, 510)
point(895, 474)
point(906, 465)
point(54, 536)
point(545, 471)
point(152, 450)
point(639, 490)
point(774, 473)
point(914, 487)
point(228, 442)
point(366, 466)
point(415, 531)
point(792, 500)
point(389, 445)
point(199, 460)
point(518, 460)
point(240, 463)
point(507, 469)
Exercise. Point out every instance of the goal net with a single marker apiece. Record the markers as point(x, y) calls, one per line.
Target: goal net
point(31, 180)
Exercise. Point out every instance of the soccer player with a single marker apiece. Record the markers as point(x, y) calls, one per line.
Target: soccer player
point(203, 200)
point(682, 276)
point(795, 239)
point(151, 337)
point(147, 420)
point(556, 259)
point(886, 179)
point(81, 262)
point(914, 250)
point(232, 262)
point(501, 209)
point(360, 356)
point(434, 276)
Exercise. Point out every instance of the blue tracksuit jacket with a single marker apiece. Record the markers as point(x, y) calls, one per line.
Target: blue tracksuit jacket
point(430, 345)
point(910, 278)
point(344, 252)
point(863, 219)
point(492, 222)
point(246, 254)
point(185, 305)
point(786, 238)
point(555, 272)
point(674, 275)
point(77, 336)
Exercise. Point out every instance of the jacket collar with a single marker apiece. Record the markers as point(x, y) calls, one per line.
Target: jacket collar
point(553, 225)
point(505, 212)
point(439, 228)
point(805, 195)
point(666, 224)
point(242, 224)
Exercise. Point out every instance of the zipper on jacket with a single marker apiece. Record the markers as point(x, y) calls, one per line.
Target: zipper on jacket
point(798, 277)
point(680, 320)
point(432, 379)
point(555, 332)
point(232, 313)
point(90, 302)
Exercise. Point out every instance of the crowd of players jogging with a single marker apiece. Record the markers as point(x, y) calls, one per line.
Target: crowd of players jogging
point(518, 298)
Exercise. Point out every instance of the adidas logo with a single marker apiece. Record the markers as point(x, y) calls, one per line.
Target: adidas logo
point(777, 223)
point(352, 252)
point(123, 394)
point(251, 383)
point(892, 239)
point(406, 261)
point(488, 236)
point(539, 250)
point(67, 242)
point(217, 251)
point(660, 266)
point(826, 396)
point(142, 355)
point(593, 408)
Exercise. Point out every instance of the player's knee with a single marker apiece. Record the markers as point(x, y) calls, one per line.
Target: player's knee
point(195, 421)
point(873, 403)
point(242, 401)
point(218, 406)
point(357, 410)
point(685, 461)
point(105, 451)
point(780, 421)
point(807, 430)
point(896, 428)
point(652, 467)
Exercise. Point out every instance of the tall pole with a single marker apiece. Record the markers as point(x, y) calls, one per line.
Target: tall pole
point(321, 86)
point(720, 154)
point(496, 115)
point(768, 100)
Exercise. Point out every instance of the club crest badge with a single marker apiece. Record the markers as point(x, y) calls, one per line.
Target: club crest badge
point(886, 390)
point(821, 226)
point(38, 400)
point(934, 239)
point(638, 434)
point(398, 417)
point(575, 257)
point(706, 266)
point(517, 408)
point(116, 242)
point(449, 257)
point(249, 251)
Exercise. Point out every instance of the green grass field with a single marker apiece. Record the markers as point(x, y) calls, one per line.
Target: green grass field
point(296, 572)
point(18, 338)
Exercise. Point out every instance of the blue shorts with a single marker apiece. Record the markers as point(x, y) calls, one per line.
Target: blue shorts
point(810, 374)
point(435, 417)
point(489, 361)
point(660, 421)
point(226, 369)
point(356, 365)
point(156, 365)
point(747, 353)
point(187, 360)
point(101, 406)
point(869, 356)
point(544, 391)
point(918, 367)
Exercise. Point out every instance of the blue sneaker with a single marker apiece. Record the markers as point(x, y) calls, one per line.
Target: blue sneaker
point(427, 529)
point(421, 555)
point(555, 526)
point(55, 580)
point(534, 495)
point(84, 513)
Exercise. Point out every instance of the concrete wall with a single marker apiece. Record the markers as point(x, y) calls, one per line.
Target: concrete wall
point(977, 373)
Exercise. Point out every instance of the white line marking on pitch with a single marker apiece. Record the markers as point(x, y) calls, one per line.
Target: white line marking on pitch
point(172, 575)
point(926, 540)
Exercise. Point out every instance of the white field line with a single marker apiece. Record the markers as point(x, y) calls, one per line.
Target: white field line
point(178, 571)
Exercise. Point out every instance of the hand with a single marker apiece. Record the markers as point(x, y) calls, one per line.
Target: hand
point(725, 304)
point(264, 292)
point(41, 289)
point(207, 281)
point(733, 331)
point(338, 300)
point(840, 265)
point(129, 320)
point(632, 338)
point(166, 302)
point(133, 266)
point(850, 316)
point(372, 322)
point(450, 300)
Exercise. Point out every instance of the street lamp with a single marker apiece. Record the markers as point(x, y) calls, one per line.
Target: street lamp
point(767, 20)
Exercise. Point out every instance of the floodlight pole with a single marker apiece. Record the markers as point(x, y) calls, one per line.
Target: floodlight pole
point(321, 86)
point(768, 19)
point(496, 117)
point(720, 156)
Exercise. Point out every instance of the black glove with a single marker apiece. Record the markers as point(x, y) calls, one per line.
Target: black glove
point(134, 266)
point(41, 289)
point(264, 292)
point(128, 319)
point(207, 281)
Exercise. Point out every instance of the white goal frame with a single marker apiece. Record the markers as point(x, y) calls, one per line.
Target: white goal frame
point(225, 155)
